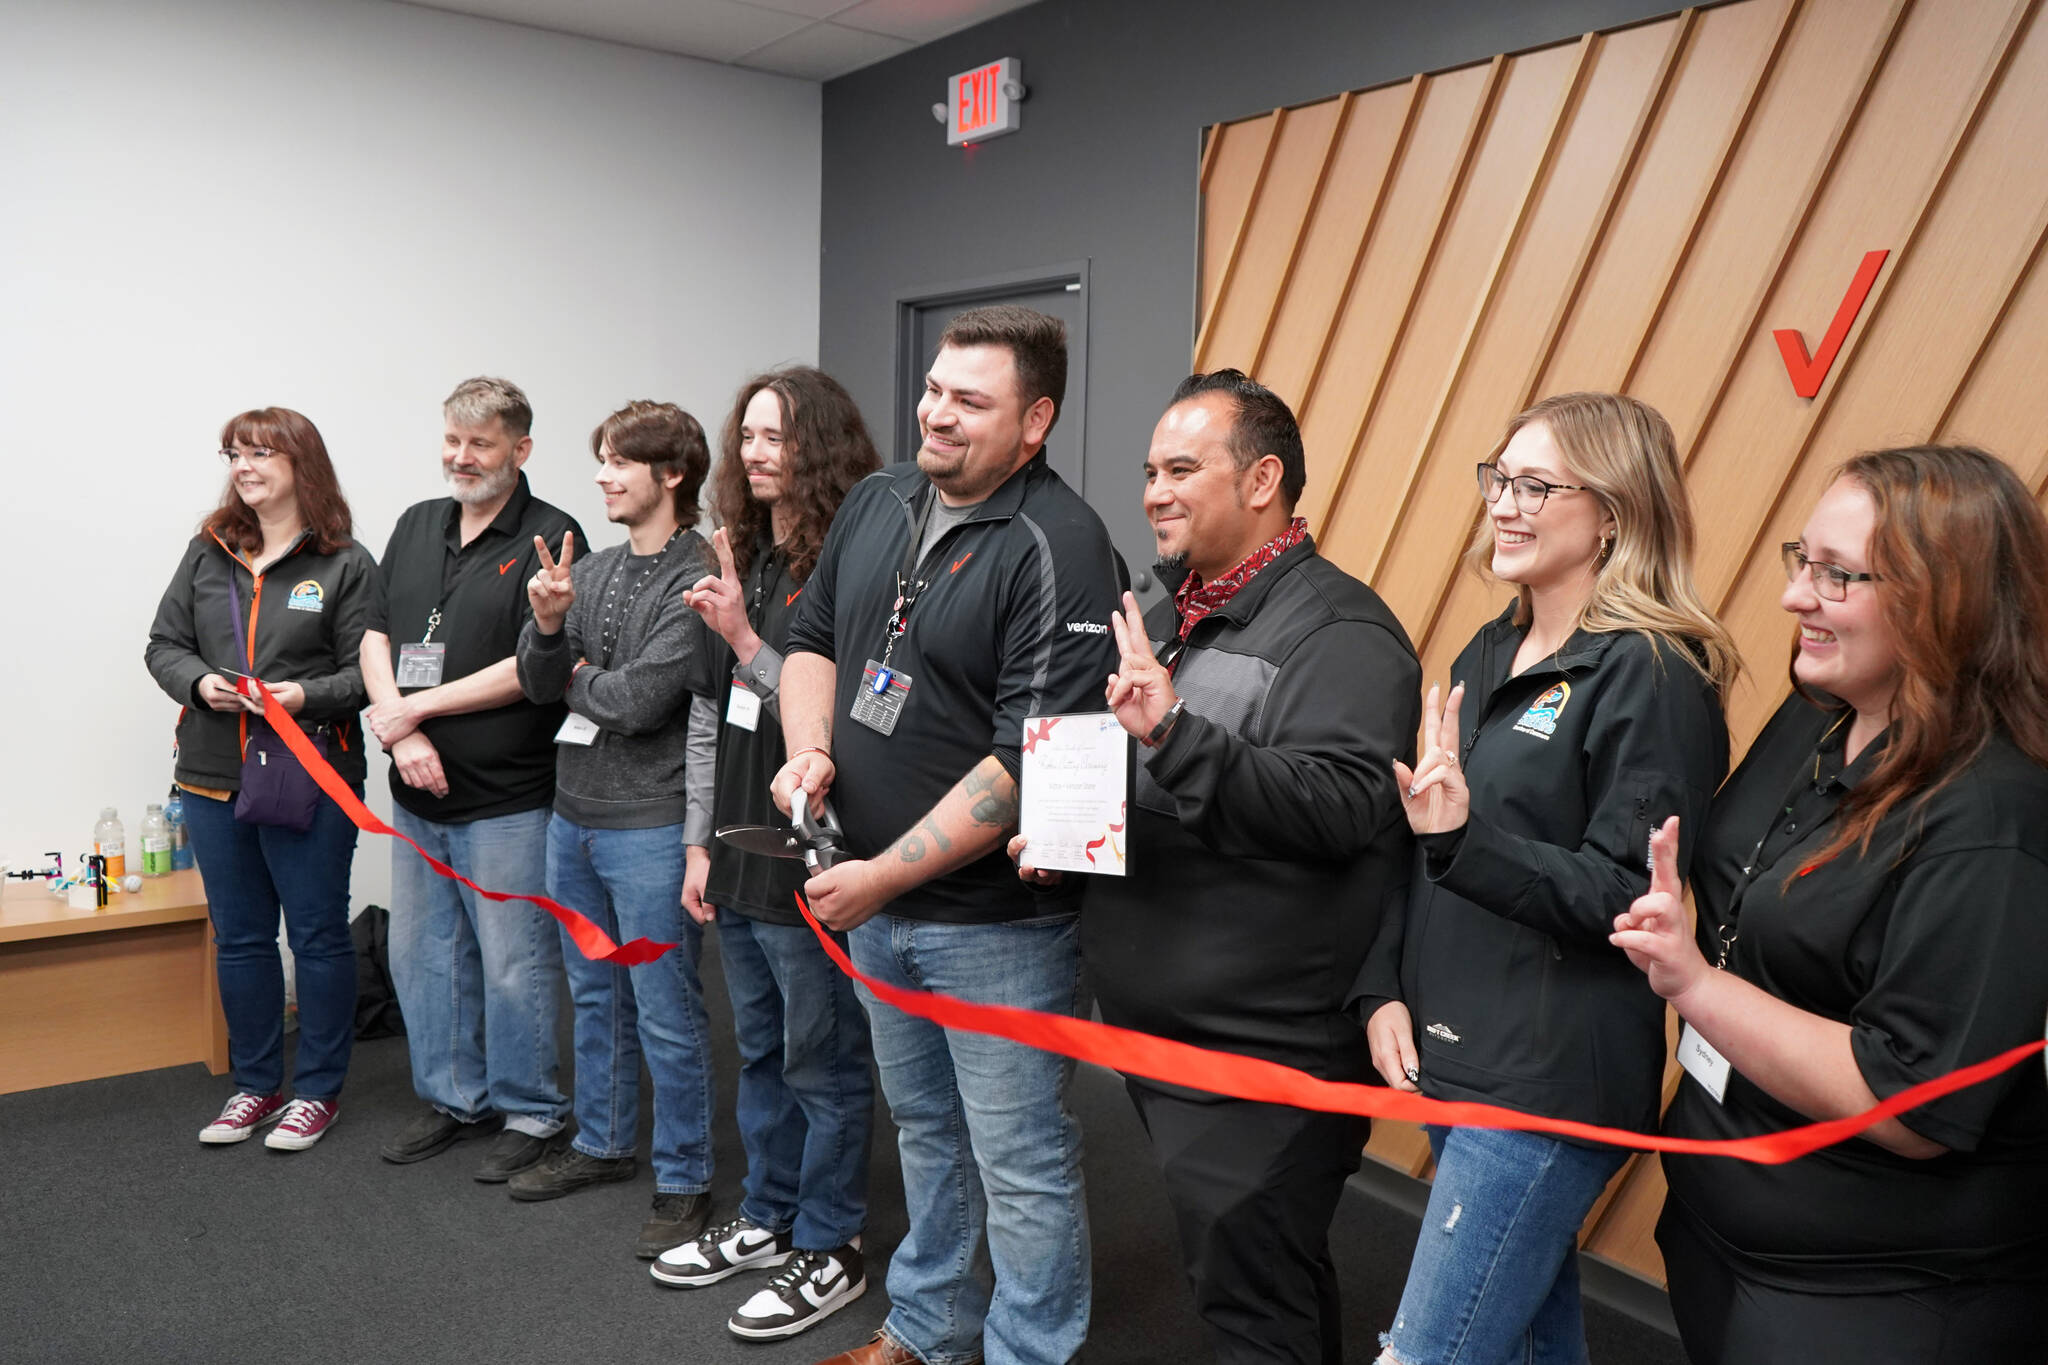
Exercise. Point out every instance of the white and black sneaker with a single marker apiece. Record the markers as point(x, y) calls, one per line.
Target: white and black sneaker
point(718, 1252)
point(811, 1287)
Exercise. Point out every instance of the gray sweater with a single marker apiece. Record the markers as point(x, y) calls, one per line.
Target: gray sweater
point(652, 763)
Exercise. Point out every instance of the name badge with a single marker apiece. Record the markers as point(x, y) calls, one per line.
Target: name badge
point(743, 708)
point(577, 730)
point(879, 702)
point(421, 665)
point(1703, 1063)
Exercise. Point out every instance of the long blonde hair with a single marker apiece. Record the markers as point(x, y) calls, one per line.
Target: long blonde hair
point(1624, 451)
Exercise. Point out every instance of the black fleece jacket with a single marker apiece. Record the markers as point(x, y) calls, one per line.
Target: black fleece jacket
point(302, 622)
point(1502, 954)
point(1266, 835)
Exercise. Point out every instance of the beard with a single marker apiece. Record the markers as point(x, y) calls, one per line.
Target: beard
point(486, 487)
point(1174, 566)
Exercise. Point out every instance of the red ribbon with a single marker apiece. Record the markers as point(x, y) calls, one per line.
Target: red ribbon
point(1162, 1059)
point(594, 942)
point(1251, 1078)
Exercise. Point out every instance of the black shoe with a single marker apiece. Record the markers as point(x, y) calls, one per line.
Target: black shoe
point(433, 1133)
point(512, 1152)
point(810, 1288)
point(677, 1218)
point(566, 1172)
point(722, 1251)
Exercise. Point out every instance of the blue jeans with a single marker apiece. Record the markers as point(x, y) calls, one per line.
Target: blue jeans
point(806, 1096)
point(252, 872)
point(478, 980)
point(630, 883)
point(1495, 1277)
point(988, 1145)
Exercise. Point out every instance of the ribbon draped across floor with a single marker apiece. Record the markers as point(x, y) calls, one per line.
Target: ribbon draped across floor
point(1161, 1059)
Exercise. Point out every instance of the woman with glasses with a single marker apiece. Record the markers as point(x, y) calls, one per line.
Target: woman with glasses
point(1872, 883)
point(1582, 716)
point(272, 587)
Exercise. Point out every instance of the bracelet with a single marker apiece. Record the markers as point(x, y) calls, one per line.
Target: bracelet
point(812, 749)
point(1166, 724)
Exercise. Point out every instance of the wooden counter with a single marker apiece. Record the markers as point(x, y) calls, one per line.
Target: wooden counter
point(89, 993)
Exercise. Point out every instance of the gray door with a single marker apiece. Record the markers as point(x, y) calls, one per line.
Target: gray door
point(923, 319)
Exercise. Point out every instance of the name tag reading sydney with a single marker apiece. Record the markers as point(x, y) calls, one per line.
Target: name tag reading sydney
point(879, 703)
point(421, 665)
point(1703, 1063)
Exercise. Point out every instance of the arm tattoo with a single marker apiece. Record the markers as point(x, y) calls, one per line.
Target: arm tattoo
point(994, 798)
point(911, 848)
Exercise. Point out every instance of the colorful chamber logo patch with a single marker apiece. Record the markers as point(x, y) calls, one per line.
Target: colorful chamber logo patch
point(306, 596)
point(1540, 719)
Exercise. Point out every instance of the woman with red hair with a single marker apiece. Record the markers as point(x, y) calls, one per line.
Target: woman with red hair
point(1873, 883)
point(272, 587)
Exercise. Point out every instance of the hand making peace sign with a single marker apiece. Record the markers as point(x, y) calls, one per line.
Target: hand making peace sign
point(550, 590)
point(1434, 795)
point(1141, 690)
point(716, 598)
point(1653, 930)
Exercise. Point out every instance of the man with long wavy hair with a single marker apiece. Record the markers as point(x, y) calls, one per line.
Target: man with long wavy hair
point(793, 446)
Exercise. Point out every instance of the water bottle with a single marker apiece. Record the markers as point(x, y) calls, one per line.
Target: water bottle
point(156, 842)
point(110, 841)
point(181, 841)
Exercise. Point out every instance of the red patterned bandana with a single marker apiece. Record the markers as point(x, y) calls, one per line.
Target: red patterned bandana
point(1197, 599)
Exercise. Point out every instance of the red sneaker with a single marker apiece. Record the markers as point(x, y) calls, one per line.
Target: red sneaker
point(304, 1123)
point(244, 1114)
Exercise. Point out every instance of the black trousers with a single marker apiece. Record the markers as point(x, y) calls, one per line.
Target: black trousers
point(1253, 1188)
point(1726, 1318)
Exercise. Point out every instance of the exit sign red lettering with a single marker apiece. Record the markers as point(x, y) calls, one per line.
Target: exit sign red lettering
point(982, 103)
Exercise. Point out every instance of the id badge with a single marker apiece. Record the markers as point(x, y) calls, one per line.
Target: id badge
point(421, 665)
point(879, 703)
point(1703, 1063)
point(577, 729)
point(743, 708)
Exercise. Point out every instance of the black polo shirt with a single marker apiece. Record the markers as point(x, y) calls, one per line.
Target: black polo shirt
point(757, 887)
point(1013, 622)
point(501, 761)
point(1933, 948)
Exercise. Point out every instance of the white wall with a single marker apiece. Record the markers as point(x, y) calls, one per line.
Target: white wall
point(344, 207)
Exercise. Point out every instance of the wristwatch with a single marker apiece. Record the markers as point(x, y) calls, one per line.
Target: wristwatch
point(1166, 723)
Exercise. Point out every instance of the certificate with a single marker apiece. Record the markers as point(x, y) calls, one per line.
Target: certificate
point(1073, 800)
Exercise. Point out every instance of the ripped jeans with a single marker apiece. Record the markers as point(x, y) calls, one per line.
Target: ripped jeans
point(1495, 1277)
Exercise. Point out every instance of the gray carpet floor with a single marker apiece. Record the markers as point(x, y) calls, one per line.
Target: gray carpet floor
point(123, 1239)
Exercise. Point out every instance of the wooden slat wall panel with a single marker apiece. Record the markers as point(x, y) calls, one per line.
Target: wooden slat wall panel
point(1354, 362)
point(1233, 162)
point(1639, 209)
point(1301, 152)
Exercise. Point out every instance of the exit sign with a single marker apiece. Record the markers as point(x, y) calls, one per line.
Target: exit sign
point(985, 102)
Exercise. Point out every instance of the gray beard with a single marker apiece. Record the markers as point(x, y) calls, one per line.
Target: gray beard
point(1171, 566)
point(489, 488)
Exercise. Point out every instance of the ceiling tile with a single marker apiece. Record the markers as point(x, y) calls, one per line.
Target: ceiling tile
point(719, 30)
point(809, 9)
point(921, 21)
point(822, 51)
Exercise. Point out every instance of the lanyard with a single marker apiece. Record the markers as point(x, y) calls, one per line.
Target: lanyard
point(909, 587)
point(1726, 932)
point(614, 620)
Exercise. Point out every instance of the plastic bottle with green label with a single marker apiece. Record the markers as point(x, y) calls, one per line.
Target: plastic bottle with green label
point(156, 842)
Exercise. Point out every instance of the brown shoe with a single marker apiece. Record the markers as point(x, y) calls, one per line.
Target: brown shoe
point(883, 1350)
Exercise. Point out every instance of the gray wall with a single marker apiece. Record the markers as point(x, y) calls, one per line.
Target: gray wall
point(1105, 169)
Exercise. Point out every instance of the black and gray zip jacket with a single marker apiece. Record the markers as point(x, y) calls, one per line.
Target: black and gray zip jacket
point(1501, 953)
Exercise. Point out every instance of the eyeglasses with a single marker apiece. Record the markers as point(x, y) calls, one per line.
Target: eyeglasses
point(1830, 581)
point(1530, 491)
point(257, 455)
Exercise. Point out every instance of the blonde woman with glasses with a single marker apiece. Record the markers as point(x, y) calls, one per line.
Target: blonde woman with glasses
point(1576, 722)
